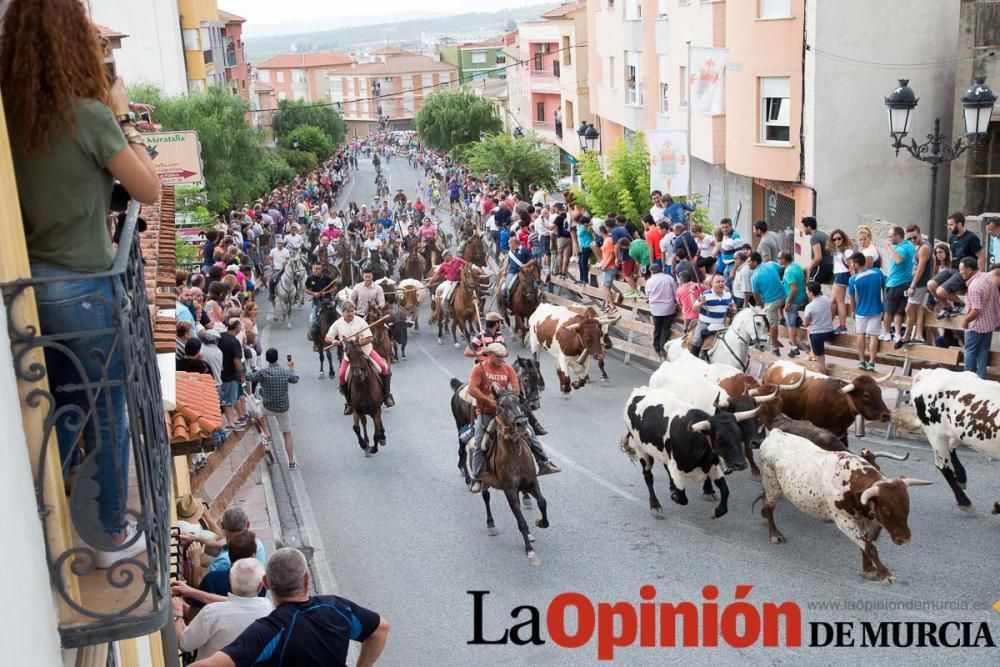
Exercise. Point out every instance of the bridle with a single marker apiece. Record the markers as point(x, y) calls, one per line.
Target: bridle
point(756, 341)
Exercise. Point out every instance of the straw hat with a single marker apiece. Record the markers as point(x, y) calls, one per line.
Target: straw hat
point(189, 508)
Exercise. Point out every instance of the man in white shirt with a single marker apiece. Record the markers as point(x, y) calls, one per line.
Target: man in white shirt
point(277, 258)
point(219, 623)
point(300, 211)
point(372, 243)
point(293, 240)
point(657, 209)
point(539, 197)
point(366, 293)
point(345, 328)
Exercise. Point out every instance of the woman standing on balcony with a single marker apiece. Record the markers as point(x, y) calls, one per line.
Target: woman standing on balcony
point(71, 134)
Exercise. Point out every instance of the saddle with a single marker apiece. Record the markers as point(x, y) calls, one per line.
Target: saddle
point(708, 342)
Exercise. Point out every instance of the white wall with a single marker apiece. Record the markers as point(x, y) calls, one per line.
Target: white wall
point(28, 624)
point(153, 51)
point(849, 159)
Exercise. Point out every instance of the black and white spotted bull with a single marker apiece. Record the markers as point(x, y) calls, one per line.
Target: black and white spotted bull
point(957, 408)
point(692, 444)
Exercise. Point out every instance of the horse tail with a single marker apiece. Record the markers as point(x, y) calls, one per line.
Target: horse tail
point(455, 383)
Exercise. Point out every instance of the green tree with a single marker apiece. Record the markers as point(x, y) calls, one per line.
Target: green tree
point(519, 161)
point(292, 115)
point(310, 139)
point(453, 117)
point(301, 162)
point(276, 169)
point(625, 187)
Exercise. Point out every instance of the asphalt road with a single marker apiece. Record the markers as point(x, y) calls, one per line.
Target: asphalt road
point(404, 537)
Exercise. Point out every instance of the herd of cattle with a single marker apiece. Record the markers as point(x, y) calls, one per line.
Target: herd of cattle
point(703, 421)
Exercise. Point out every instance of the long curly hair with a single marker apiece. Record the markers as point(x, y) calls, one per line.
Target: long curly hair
point(50, 57)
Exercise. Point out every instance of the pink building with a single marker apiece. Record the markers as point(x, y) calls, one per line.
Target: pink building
point(237, 68)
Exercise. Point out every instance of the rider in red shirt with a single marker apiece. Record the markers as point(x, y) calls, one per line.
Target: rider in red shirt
point(448, 275)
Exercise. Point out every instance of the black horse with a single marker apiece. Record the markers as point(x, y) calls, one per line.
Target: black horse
point(327, 316)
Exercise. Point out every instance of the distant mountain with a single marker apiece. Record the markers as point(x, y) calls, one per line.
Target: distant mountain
point(286, 29)
point(404, 33)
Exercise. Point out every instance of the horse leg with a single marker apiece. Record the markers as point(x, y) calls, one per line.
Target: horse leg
point(604, 373)
point(536, 491)
point(441, 327)
point(522, 525)
point(322, 355)
point(491, 528)
point(329, 358)
point(357, 432)
point(379, 430)
point(463, 457)
point(369, 449)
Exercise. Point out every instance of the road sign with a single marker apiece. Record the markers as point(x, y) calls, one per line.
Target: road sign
point(176, 156)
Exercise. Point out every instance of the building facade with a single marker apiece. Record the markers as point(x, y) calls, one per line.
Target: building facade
point(476, 60)
point(301, 76)
point(201, 32)
point(389, 92)
point(234, 55)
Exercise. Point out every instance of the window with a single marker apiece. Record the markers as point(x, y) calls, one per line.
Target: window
point(206, 39)
point(773, 9)
point(445, 79)
point(264, 75)
point(538, 61)
point(426, 81)
point(407, 83)
point(298, 76)
point(281, 76)
point(282, 96)
point(336, 89)
point(664, 98)
point(684, 85)
point(661, 8)
point(540, 112)
point(196, 85)
point(632, 95)
point(208, 57)
point(478, 57)
point(568, 119)
point(611, 72)
point(501, 57)
point(566, 51)
point(775, 109)
point(191, 42)
point(300, 96)
point(555, 68)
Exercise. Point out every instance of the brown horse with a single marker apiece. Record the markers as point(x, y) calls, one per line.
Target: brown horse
point(380, 335)
point(431, 252)
point(413, 266)
point(525, 295)
point(463, 311)
point(365, 396)
point(510, 468)
point(474, 251)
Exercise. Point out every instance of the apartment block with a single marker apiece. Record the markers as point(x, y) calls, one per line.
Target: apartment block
point(301, 76)
point(476, 60)
point(237, 67)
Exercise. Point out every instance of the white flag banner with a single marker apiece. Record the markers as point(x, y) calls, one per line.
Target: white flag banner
point(706, 84)
point(669, 162)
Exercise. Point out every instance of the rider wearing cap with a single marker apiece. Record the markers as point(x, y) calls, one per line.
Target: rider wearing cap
point(485, 374)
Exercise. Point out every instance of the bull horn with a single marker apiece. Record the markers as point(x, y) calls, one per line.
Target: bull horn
point(847, 388)
point(702, 426)
point(571, 327)
point(720, 402)
point(890, 455)
point(795, 385)
point(914, 482)
point(608, 319)
point(885, 378)
point(760, 400)
point(745, 415)
point(869, 493)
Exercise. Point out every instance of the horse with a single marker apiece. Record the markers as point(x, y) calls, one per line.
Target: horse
point(327, 316)
point(380, 333)
point(525, 295)
point(463, 311)
point(431, 252)
point(528, 376)
point(732, 345)
point(474, 251)
point(365, 392)
point(287, 290)
point(414, 267)
point(510, 467)
point(373, 262)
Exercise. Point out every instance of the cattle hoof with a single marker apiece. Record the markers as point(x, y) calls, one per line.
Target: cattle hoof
point(777, 538)
point(970, 508)
point(368, 452)
point(491, 531)
point(887, 580)
point(322, 375)
point(679, 497)
point(541, 523)
point(533, 559)
point(755, 475)
point(718, 514)
point(870, 575)
point(709, 496)
point(996, 508)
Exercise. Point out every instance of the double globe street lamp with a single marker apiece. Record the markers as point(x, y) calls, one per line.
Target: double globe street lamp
point(977, 106)
point(588, 135)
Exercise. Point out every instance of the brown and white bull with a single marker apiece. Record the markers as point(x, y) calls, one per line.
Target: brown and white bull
point(571, 337)
point(411, 294)
point(836, 486)
point(957, 408)
point(828, 402)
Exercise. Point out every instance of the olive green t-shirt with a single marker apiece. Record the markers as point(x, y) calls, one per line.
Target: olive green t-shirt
point(65, 191)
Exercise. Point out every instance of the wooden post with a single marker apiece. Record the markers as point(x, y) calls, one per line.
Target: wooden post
point(901, 398)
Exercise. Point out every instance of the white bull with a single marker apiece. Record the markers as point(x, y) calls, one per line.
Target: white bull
point(571, 337)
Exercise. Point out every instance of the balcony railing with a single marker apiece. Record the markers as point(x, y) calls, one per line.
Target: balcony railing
point(99, 391)
point(542, 74)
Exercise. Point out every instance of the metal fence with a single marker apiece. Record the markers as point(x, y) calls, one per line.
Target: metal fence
point(100, 392)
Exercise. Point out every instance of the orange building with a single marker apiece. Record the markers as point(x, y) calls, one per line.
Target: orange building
point(234, 57)
point(301, 76)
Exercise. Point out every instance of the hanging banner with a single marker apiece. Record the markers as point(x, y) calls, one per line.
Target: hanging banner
point(669, 161)
point(706, 83)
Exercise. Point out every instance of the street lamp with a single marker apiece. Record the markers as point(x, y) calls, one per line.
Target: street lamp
point(518, 132)
point(482, 135)
point(977, 105)
point(588, 135)
point(295, 144)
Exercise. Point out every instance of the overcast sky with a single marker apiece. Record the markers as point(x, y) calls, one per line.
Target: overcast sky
point(281, 11)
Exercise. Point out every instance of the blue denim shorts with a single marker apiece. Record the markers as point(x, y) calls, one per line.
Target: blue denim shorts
point(228, 393)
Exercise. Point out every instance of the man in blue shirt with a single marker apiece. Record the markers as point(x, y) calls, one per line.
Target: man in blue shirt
point(518, 259)
point(865, 288)
point(727, 248)
point(769, 293)
point(901, 251)
point(794, 283)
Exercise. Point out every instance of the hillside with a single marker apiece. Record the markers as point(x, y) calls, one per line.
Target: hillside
point(403, 33)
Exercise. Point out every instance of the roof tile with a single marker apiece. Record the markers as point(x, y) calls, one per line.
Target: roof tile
point(198, 413)
point(306, 60)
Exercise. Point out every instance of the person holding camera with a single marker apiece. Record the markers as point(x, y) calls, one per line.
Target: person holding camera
point(73, 133)
point(274, 381)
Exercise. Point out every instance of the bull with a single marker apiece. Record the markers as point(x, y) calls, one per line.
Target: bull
point(837, 486)
point(410, 294)
point(398, 326)
point(690, 443)
point(828, 402)
point(572, 338)
point(957, 408)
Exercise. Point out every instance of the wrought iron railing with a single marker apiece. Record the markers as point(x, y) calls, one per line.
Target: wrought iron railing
point(100, 393)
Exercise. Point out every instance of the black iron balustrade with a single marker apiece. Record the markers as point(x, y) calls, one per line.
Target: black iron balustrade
point(131, 597)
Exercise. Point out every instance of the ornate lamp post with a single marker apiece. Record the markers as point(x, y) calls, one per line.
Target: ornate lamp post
point(588, 135)
point(977, 106)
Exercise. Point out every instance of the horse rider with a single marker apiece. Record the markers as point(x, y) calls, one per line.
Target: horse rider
point(400, 197)
point(478, 344)
point(447, 277)
point(293, 240)
point(277, 258)
point(484, 374)
point(349, 324)
point(318, 286)
point(518, 259)
point(366, 293)
point(427, 230)
point(410, 239)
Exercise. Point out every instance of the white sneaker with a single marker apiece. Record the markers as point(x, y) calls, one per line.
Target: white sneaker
point(105, 559)
point(885, 336)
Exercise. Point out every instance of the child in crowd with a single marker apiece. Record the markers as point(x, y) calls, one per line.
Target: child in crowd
point(818, 317)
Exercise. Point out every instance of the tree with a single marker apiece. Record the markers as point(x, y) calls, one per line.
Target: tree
point(519, 161)
point(292, 115)
point(310, 139)
point(301, 162)
point(452, 117)
point(625, 187)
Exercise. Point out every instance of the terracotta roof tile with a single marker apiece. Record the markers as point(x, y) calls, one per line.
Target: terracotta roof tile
point(306, 60)
point(198, 413)
point(230, 18)
point(402, 64)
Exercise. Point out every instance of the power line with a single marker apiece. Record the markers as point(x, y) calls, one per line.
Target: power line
point(869, 63)
point(389, 96)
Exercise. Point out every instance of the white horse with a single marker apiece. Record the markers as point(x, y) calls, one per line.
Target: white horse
point(290, 288)
point(732, 347)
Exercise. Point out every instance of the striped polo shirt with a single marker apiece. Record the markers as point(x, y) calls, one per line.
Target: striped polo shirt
point(713, 312)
